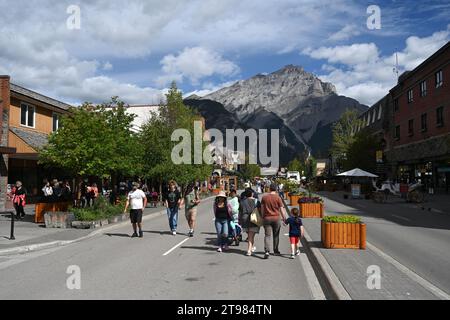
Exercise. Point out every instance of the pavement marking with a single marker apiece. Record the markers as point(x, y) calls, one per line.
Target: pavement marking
point(311, 278)
point(176, 246)
point(403, 218)
point(411, 274)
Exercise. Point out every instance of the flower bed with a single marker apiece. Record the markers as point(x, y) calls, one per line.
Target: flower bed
point(343, 232)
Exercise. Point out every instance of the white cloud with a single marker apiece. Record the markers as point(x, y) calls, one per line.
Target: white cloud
point(360, 72)
point(345, 33)
point(351, 55)
point(194, 64)
point(107, 66)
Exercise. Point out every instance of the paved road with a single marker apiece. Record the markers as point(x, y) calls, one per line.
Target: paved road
point(114, 266)
point(418, 239)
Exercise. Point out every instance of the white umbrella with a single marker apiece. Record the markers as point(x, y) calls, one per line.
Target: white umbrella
point(357, 173)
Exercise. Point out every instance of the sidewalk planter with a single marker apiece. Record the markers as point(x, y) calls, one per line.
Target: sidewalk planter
point(41, 208)
point(294, 199)
point(58, 219)
point(311, 210)
point(343, 235)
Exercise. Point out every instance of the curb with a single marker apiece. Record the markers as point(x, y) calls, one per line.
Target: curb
point(323, 270)
point(59, 243)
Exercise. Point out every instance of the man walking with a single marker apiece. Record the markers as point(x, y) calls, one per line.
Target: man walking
point(173, 201)
point(272, 209)
point(137, 201)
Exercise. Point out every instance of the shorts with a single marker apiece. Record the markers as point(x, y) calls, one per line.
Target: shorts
point(294, 240)
point(191, 214)
point(136, 215)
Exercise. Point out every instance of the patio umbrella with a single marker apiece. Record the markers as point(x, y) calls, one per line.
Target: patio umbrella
point(357, 173)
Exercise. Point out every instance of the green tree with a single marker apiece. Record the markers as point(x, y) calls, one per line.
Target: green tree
point(296, 165)
point(311, 167)
point(362, 152)
point(94, 140)
point(344, 134)
point(156, 138)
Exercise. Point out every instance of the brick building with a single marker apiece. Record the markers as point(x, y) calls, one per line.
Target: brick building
point(419, 147)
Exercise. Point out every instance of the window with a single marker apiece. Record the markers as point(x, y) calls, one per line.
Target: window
point(410, 95)
point(379, 112)
point(439, 79)
point(423, 122)
point(27, 115)
point(411, 127)
point(423, 89)
point(440, 116)
point(397, 133)
point(395, 105)
point(55, 121)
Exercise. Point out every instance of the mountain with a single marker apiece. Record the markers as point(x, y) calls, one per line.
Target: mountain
point(290, 99)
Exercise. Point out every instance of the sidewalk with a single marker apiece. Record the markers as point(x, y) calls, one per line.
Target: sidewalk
point(346, 271)
point(30, 234)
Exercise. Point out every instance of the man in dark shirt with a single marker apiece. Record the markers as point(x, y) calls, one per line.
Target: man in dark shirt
point(173, 201)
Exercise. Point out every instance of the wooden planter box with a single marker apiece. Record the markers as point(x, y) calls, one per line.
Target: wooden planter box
point(41, 208)
point(294, 199)
point(311, 210)
point(343, 235)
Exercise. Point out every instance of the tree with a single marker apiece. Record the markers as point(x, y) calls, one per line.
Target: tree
point(311, 167)
point(296, 165)
point(94, 141)
point(344, 135)
point(362, 151)
point(156, 138)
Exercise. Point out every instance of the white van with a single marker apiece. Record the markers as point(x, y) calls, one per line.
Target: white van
point(294, 176)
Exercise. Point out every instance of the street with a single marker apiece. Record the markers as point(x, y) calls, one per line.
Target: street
point(417, 239)
point(158, 266)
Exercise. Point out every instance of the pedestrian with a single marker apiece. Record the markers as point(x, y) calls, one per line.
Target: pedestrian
point(137, 201)
point(272, 211)
point(18, 193)
point(234, 223)
point(222, 214)
point(47, 192)
point(92, 194)
point(247, 206)
point(191, 201)
point(296, 231)
point(56, 190)
point(66, 192)
point(281, 190)
point(173, 201)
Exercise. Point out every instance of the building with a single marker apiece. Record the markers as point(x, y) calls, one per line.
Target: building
point(142, 114)
point(420, 126)
point(28, 119)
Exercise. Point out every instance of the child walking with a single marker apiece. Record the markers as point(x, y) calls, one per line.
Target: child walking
point(296, 231)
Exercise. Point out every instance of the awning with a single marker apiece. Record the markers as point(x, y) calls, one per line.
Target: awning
point(357, 173)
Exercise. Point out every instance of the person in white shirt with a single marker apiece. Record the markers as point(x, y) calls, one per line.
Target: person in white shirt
point(137, 201)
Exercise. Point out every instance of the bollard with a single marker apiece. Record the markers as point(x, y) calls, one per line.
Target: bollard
point(11, 237)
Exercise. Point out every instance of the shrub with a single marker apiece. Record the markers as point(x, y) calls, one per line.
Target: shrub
point(102, 209)
point(342, 219)
point(310, 200)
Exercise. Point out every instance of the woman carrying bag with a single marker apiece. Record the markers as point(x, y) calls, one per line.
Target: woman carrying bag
point(222, 213)
point(249, 211)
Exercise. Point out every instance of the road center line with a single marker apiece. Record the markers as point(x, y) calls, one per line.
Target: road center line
point(176, 246)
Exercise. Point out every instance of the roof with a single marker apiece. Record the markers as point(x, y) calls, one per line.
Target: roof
point(39, 97)
point(34, 139)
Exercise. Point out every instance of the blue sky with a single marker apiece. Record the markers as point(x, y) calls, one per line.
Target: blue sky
point(135, 50)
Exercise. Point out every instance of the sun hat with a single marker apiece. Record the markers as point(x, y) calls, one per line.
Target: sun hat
point(221, 195)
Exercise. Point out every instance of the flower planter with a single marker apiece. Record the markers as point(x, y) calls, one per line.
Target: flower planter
point(294, 198)
point(311, 210)
point(41, 208)
point(343, 235)
point(58, 219)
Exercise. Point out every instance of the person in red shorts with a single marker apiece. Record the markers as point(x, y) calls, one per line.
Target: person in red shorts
point(296, 231)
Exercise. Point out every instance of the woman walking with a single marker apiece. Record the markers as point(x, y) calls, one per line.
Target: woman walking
point(19, 200)
point(191, 201)
point(248, 205)
point(172, 201)
point(222, 213)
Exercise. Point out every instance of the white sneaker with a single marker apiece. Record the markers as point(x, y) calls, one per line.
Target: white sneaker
point(297, 253)
point(174, 233)
point(254, 249)
point(219, 249)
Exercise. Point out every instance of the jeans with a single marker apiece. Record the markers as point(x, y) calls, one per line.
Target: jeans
point(269, 228)
point(172, 214)
point(222, 232)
